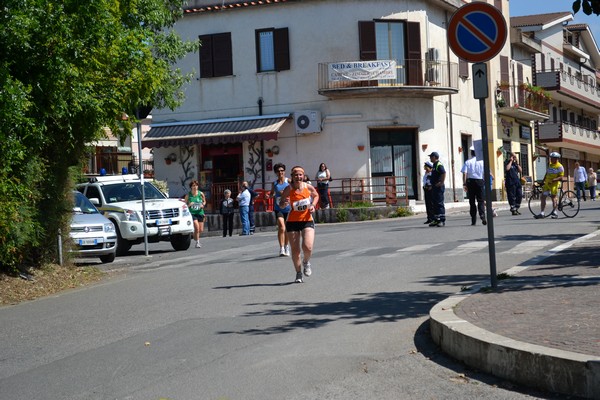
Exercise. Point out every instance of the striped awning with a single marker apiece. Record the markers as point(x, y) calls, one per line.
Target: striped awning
point(215, 131)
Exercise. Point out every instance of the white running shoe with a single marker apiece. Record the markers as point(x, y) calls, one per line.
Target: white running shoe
point(198, 245)
point(282, 252)
point(553, 215)
point(307, 269)
point(298, 277)
point(288, 251)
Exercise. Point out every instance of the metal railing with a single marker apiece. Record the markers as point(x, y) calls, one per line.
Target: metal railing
point(424, 73)
point(517, 96)
point(384, 190)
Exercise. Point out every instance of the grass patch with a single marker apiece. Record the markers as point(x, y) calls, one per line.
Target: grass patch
point(356, 204)
point(45, 281)
point(401, 212)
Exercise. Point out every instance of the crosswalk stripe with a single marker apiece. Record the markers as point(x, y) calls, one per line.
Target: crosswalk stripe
point(529, 246)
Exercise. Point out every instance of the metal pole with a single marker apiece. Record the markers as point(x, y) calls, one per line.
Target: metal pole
point(488, 193)
point(141, 172)
point(60, 248)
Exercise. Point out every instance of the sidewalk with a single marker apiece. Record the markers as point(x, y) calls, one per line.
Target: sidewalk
point(540, 328)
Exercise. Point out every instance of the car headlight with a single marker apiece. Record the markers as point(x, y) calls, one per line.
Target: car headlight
point(131, 215)
point(185, 211)
point(109, 227)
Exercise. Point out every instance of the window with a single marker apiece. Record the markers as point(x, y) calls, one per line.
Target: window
point(393, 40)
point(215, 55)
point(272, 50)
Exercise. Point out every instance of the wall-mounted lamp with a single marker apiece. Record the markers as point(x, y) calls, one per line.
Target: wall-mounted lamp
point(170, 158)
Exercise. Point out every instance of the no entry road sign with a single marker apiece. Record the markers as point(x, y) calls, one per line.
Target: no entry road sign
point(477, 32)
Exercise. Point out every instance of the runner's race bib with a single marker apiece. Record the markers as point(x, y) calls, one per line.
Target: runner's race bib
point(302, 205)
point(196, 206)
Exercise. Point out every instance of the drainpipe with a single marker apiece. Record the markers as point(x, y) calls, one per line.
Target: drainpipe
point(450, 123)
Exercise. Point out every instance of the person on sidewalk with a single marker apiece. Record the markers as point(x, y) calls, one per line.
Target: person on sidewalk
point(592, 182)
point(281, 214)
point(323, 177)
point(580, 178)
point(195, 200)
point(243, 199)
point(472, 172)
point(554, 175)
point(302, 199)
point(427, 192)
point(438, 176)
point(512, 181)
point(227, 210)
point(253, 195)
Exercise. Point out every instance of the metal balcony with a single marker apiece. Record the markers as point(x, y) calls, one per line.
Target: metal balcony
point(573, 136)
point(516, 102)
point(415, 78)
point(570, 89)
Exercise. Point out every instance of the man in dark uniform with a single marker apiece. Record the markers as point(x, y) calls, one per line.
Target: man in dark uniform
point(438, 176)
point(512, 181)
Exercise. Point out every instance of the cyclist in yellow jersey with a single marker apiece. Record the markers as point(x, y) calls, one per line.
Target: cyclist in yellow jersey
point(554, 175)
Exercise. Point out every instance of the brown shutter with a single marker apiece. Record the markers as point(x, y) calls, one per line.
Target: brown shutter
point(413, 54)
point(206, 59)
point(366, 40)
point(222, 58)
point(504, 72)
point(281, 46)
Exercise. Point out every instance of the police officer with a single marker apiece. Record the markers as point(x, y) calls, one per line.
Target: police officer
point(438, 176)
point(473, 183)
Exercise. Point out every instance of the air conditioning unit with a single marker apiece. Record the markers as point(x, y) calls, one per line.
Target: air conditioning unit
point(307, 122)
point(433, 76)
point(433, 54)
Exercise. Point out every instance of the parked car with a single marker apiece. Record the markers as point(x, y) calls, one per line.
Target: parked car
point(119, 198)
point(93, 234)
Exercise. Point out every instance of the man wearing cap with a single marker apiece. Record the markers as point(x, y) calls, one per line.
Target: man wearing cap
point(473, 183)
point(554, 175)
point(427, 191)
point(512, 181)
point(438, 176)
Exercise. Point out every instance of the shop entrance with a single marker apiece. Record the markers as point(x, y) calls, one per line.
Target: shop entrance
point(222, 166)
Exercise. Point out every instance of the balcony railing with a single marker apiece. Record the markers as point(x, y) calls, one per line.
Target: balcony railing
point(519, 102)
point(415, 78)
point(564, 86)
point(564, 131)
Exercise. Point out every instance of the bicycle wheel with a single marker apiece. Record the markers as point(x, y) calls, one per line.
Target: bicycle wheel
point(568, 204)
point(533, 202)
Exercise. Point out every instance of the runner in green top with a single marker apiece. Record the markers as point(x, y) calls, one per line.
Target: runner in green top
point(195, 200)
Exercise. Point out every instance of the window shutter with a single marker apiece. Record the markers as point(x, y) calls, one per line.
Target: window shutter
point(222, 58)
point(206, 59)
point(366, 39)
point(281, 46)
point(413, 54)
point(504, 73)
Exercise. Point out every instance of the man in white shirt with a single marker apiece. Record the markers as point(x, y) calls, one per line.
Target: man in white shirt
point(580, 178)
point(473, 183)
point(244, 203)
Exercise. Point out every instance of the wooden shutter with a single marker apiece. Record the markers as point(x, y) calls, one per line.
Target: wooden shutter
point(281, 44)
point(366, 40)
point(222, 56)
point(504, 73)
point(206, 59)
point(413, 54)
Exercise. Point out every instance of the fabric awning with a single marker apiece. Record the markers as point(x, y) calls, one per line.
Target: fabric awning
point(215, 131)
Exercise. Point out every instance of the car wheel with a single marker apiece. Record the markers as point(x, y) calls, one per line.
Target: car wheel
point(123, 245)
point(181, 242)
point(108, 258)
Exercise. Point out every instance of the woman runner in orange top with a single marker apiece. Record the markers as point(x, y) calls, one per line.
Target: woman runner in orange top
point(303, 199)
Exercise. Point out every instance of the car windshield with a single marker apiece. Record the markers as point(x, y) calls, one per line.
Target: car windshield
point(81, 205)
point(130, 191)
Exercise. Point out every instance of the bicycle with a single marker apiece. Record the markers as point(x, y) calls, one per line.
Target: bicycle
point(567, 200)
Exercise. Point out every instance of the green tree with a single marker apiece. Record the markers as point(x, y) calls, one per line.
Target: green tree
point(68, 70)
point(587, 6)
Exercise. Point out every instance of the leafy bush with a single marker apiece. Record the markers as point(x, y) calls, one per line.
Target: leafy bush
point(341, 215)
point(356, 204)
point(401, 212)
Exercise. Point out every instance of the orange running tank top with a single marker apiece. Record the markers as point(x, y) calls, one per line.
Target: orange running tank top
point(300, 203)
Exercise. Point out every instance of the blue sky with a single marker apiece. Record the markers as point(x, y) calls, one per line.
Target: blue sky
point(530, 7)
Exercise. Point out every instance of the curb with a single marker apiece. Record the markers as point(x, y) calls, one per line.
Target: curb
point(527, 364)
